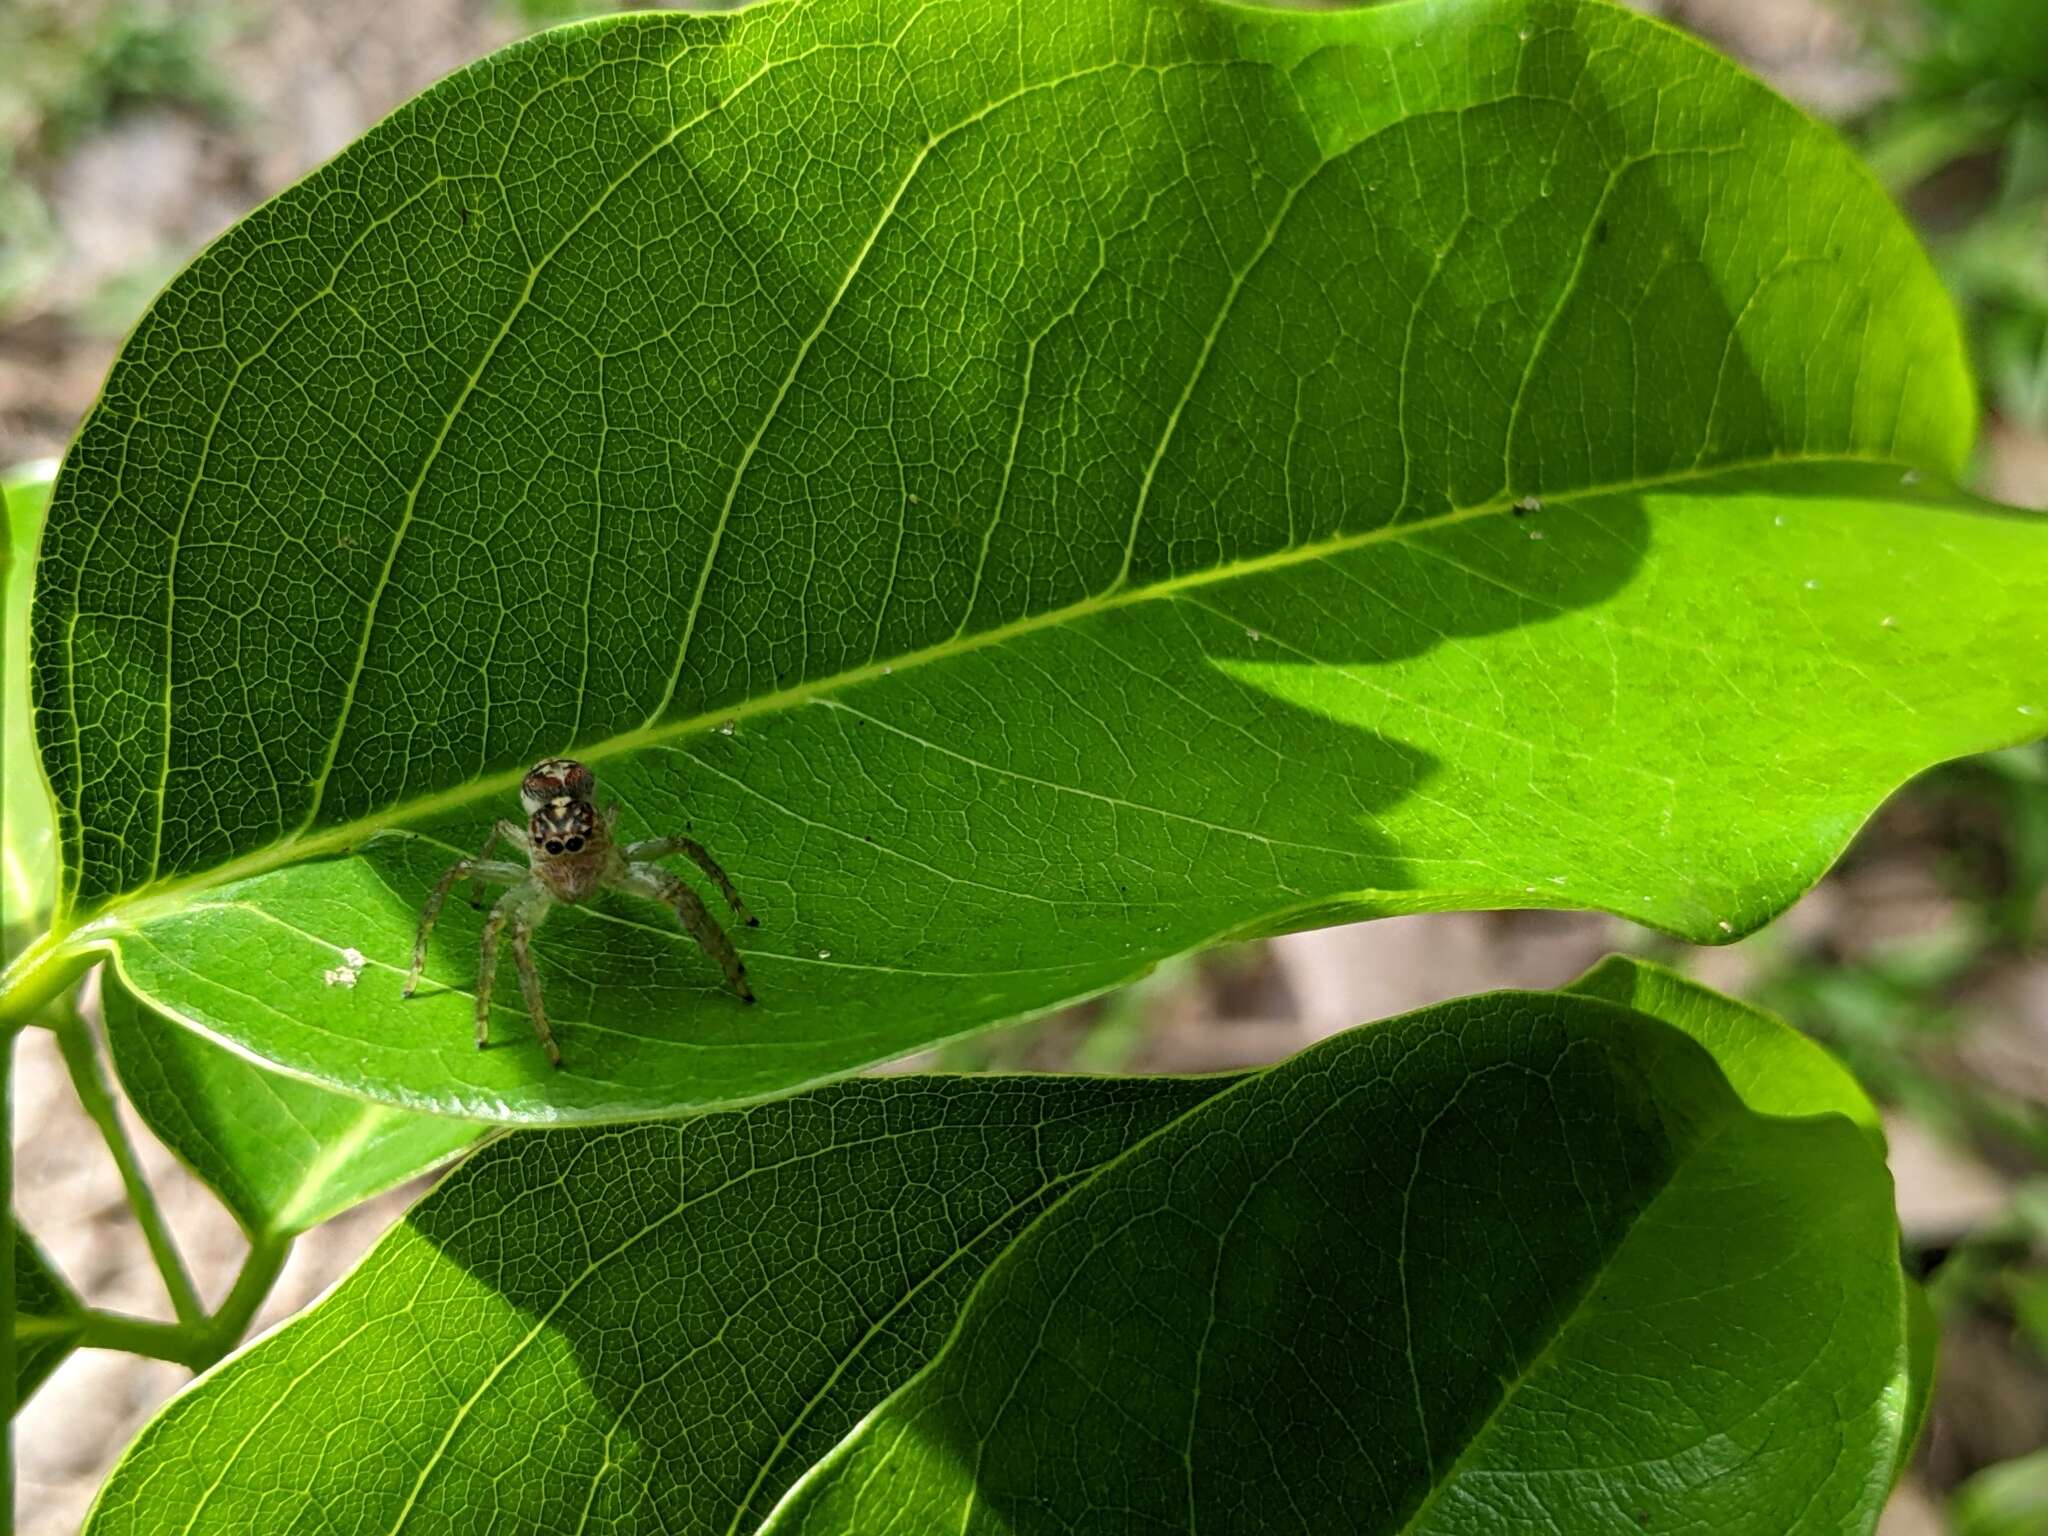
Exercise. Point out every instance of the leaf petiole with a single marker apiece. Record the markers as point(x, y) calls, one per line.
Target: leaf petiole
point(81, 1060)
point(38, 977)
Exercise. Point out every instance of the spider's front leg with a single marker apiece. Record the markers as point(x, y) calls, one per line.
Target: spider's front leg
point(662, 847)
point(481, 869)
point(514, 834)
point(697, 921)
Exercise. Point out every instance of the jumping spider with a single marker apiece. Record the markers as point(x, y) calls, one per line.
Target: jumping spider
point(570, 858)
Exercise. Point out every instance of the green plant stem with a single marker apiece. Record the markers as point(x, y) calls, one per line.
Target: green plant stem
point(144, 1336)
point(259, 1273)
point(37, 977)
point(197, 1344)
point(81, 1058)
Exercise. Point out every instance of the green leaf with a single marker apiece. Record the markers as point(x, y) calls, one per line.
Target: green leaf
point(1923, 1345)
point(888, 436)
point(28, 832)
point(580, 1328)
point(47, 1318)
point(1512, 1234)
point(1522, 1261)
point(2009, 1499)
point(282, 1155)
point(1773, 1068)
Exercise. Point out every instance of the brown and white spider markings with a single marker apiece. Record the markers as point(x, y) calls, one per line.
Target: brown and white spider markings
point(570, 858)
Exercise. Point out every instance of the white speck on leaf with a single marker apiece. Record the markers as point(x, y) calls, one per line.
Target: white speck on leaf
point(824, 954)
point(340, 976)
point(1535, 533)
point(1889, 622)
point(1726, 926)
point(1910, 477)
point(1812, 585)
point(1779, 520)
point(1252, 635)
point(354, 959)
point(1529, 504)
point(728, 727)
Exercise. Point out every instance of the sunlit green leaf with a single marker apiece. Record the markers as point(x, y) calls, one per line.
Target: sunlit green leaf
point(1771, 1066)
point(1036, 488)
point(28, 837)
point(283, 1154)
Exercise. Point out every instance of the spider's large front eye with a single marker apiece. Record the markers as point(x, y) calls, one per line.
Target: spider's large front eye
point(575, 845)
point(554, 845)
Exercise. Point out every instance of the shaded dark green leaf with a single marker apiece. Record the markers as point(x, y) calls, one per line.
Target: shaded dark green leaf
point(1520, 1262)
point(580, 1328)
point(47, 1320)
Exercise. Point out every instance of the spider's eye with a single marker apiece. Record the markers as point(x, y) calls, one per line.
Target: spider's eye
point(554, 845)
point(575, 845)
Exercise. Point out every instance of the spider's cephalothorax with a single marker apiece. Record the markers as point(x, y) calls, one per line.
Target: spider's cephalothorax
point(570, 856)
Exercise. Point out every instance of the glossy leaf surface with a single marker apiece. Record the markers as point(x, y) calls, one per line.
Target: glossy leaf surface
point(1037, 488)
point(580, 1328)
point(1522, 1262)
point(283, 1155)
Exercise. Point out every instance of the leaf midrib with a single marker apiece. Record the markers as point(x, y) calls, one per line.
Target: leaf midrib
point(153, 900)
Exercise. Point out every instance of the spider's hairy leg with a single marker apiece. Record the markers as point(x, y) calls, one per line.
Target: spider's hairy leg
point(529, 984)
point(481, 870)
point(662, 847)
point(697, 921)
point(514, 834)
point(523, 907)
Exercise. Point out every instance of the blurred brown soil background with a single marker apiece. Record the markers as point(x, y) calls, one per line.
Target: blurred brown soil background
point(1912, 958)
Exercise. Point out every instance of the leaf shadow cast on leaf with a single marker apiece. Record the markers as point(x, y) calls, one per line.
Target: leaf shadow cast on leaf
point(1045, 893)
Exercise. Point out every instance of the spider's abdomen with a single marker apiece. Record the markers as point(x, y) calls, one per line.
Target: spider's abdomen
point(553, 779)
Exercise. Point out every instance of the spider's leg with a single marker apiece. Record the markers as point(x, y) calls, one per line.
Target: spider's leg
point(696, 920)
point(662, 847)
point(513, 833)
point(429, 914)
point(529, 983)
point(508, 906)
